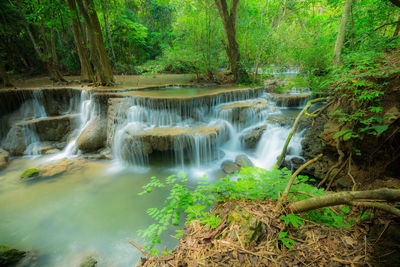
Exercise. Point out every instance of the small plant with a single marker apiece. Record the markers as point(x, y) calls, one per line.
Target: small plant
point(286, 240)
point(251, 183)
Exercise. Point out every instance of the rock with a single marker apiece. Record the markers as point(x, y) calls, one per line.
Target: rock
point(3, 159)
point(15, 141)
point(52, 151)
point(10, 257)
point(290, 100)
point(243, 161)
point(54, 169)
point(229, 167)
point(243, 113)
point(89, 261)
point(30, 173)
point(93, 136)
point(252, 137)
point(51, 128)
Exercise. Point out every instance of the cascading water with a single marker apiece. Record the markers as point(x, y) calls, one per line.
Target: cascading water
point(87, 111)
point(144, 126)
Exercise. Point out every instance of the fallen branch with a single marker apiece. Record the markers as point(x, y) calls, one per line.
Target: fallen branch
point(379, 206)
point(343, 198)
point(294, 127)
point(291, 180)
point(136, 245)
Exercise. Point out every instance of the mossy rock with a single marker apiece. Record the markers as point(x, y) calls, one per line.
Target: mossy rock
point(10, 256)
point(89, 262)
point(30, 173)
point(251, 229)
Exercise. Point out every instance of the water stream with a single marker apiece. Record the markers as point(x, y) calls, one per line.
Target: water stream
point(96, 208)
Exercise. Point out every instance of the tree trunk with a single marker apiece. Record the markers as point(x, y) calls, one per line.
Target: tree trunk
point(86, 71)
point(3, 73)
point(98, 55)
point(232, 48)
point(337, 54)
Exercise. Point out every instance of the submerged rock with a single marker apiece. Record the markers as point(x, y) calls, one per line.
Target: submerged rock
point(10, 256)
point(3, 159)
point(243, 161)
point(229, 167)
point(93, 136)
point(89, 261)
point(252, 137)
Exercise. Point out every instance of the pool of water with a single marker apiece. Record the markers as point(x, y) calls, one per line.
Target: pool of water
point(93, 211)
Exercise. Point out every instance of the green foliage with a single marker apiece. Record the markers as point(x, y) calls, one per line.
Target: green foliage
point(251, 183)
point(286, 240)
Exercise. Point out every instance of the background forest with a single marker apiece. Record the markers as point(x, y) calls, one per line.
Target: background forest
point(186, 36)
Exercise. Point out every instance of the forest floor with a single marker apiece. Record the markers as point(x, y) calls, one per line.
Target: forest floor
point(122, 81)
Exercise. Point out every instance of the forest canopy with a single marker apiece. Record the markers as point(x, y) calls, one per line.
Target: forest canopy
point(96, 38)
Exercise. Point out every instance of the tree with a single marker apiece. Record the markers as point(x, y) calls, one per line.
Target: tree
point(86, 71)
point(98, 55)
point(3, 74)
point(229, 18)
point(337, 54)
point(47, 54)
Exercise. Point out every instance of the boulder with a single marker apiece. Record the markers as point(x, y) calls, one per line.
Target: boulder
point(243, 161)
point(243, 113)
point(10, 256)
point(89, 261)
point(3, 159)
point(229, 167)
point(93, 136)
point(290, 100)
point(15, 141)
point(252, 137)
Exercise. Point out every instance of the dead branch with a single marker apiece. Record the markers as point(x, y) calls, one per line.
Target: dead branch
point(343, 198)
point(294, 127)
point(291, 180)
point(136, 245)
point(380, 206)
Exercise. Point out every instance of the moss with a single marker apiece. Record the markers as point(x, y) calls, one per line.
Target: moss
point(29, 173)
point(89, 262)
point(10, 256)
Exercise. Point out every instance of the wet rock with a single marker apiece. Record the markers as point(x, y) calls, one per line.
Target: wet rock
point(51, 128)
point(243, 113)
point(243, 161)
point(93, 136)
point(3, 159)
point(52, 151)
point(15, 141)
point(89, 261)
point(10, 257)
point(30, 173)
point(290, 100)
point(252, 137)
point(229, 167)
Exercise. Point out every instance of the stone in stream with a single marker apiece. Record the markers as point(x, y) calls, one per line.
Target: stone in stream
point(229, 167)
point(290, 100)
point(243, 113)
point(93, 136)
point(3, 159)
point(10, 256)
point(252, 137)
point(243, 161)
point(89, 261)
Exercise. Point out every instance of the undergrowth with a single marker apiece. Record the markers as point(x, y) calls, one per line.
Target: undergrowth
point(251, 183)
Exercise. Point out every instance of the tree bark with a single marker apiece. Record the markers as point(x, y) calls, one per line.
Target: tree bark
point(6, 79)
point(86, 70)
point(104, 5)
point(229, 18)
point(98, 56)
point(337, 54)
point(344, 198)
point(397, 29)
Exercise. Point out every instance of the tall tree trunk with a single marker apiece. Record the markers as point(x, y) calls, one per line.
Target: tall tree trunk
point(104, 5)
point(229, 18)
point(86, 71)
point(98, 55)
point(6, 79)
point(337, 54)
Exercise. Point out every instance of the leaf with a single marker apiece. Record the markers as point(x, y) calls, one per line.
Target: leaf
point(381, 128)
point(340, 133)
point(347, 136)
